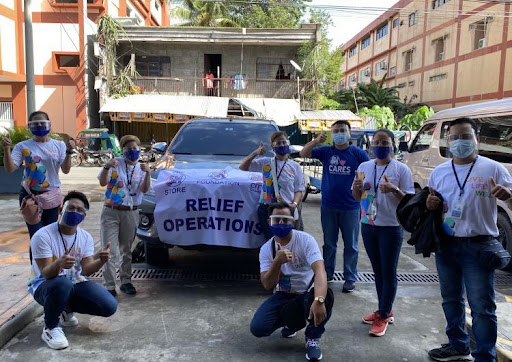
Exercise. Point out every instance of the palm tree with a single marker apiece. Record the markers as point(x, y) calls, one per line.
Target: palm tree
point(376, 94)
point(203, 13)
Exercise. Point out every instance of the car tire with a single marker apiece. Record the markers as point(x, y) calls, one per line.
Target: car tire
point(306, 192)
point(505, 237)
point(155, 254)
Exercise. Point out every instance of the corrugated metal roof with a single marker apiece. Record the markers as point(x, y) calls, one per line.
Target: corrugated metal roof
point(282, 111)
point(487, 109)
point(154, 103)
point(329, 115)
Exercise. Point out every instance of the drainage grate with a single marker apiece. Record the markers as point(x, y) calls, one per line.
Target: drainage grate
point(176, 274)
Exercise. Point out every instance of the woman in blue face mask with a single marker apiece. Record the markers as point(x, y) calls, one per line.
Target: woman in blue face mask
point(42, 157)
point(288, 173)
point(126, 180)
point(379, 185)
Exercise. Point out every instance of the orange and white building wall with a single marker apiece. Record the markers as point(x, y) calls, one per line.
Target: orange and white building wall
point(59, 33)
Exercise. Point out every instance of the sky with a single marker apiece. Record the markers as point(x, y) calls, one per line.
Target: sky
point(346, 25)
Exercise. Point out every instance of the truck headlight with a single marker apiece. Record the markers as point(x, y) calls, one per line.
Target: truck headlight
point(144, 221)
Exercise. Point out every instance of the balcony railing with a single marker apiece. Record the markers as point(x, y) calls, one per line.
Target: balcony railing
point(225, 87)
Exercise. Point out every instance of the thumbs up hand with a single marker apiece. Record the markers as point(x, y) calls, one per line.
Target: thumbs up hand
point(260, 151)
point(6, 141)
point(498, 191)
point(432, 200)
point(358, 183)
point(283, 255)
point(386, 186)
point(104, 254)
point(321, 138)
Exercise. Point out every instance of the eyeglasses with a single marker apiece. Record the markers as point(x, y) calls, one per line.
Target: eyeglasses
point(281, 143)
point(135, 148)
point(73, 208)
point(381, 143)
point(338, 130)
point(463, 136)
point(281, 219)
point(38, 123)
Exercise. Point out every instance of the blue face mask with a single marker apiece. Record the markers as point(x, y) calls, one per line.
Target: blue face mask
point(462, 148)
point(71, 218)
point(40, 131)
point(281, 230)
point(282, 150)
point(340, 138)
point(381, 152)
point(132, 155)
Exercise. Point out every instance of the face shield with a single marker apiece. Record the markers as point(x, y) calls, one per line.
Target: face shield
point(72, 215)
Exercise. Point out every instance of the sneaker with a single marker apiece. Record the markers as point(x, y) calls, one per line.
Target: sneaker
point(287, 333)
point(54, 338)
point(348, 287)
point(449, 353)
point(313, 351)
point(379, 326)
point(112, 291)
point(68, 319)
point(330, 280)
point(371, 317)
point(128, 288)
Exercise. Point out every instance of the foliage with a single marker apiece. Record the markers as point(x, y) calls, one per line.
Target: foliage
point(204, 13)
point(269, 13)
point(19, 134)
point(327, 103)
point(383, 115)
point(416, 119)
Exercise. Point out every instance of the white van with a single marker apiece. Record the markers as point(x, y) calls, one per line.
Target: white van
point(429, 148)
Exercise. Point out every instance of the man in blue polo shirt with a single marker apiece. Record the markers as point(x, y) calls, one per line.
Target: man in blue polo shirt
point(340, 211)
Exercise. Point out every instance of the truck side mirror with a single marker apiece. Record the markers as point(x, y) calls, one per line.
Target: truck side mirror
point(403, 146)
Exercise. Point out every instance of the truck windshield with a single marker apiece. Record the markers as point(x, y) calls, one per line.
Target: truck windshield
point(223, 138)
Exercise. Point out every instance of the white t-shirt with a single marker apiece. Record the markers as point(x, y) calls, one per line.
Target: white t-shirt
point(288, 173)
point(42, 162)
point(47, 243)
point(124, 182)
point(297, 274)
point(384, 204)
point(480, 213)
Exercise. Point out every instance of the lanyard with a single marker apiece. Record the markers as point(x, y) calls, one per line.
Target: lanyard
point(282, 168)
point(64, 244)
point(375, 182)
point(129, 178)
point(467, 176)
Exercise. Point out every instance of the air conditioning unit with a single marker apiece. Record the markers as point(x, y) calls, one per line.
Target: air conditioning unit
point(441, 56)
point(481, 43)
point(366, 73)
point(408, 66)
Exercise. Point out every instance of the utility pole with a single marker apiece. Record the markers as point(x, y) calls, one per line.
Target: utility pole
point(29, 57)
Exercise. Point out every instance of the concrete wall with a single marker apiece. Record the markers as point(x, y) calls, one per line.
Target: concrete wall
point(8, 44)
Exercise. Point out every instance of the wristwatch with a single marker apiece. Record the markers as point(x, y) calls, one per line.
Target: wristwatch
point(294, 203)
point(320, 300)
point(69, 152)
point(397, 190)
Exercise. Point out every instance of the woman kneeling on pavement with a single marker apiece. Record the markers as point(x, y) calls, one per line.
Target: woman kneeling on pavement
point(126, 181)
point(380, 184)
point(290, 181)
point(42, 157)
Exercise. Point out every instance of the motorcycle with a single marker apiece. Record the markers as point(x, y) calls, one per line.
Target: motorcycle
point(156, 151)
point(84, 156)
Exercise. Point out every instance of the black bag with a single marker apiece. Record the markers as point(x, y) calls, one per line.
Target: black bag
point(493, 255)
point(295, 313)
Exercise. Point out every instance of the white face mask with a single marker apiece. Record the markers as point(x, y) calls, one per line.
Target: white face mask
point(462, 148)
point(340, 138)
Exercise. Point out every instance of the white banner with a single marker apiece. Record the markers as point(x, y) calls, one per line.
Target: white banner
point(208, 206)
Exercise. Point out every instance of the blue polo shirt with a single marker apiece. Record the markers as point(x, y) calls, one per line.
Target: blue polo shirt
point(339, 169)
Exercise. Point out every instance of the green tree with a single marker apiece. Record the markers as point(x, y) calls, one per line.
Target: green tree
point(383, 115)
point(204, 13)
point(416, 119)
point(269, 13)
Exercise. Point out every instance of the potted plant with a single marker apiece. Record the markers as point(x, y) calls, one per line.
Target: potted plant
point(11, 181)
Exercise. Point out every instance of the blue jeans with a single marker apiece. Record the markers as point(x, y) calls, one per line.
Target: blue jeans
point(268, 317)
point(48, 217)
point(60, 294)
point(334, 220)
point(459, 269)
point(382, 244)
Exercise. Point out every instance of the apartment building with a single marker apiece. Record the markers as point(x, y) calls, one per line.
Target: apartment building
point(445, 53)
point(63, 63)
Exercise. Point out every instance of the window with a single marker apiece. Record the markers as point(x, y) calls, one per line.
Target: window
point(439, 49)
point(395, 22)
point(412, 83)
point(366, 42)
point(392, 71)
point(412, 18)
point(63, 60)
point(152, 66)
point(352, 51)
point(424, 138)
point(438, 3)
point(352, 80)
point(480, 29)
point(366, 74)
point(381, 67)
point(274, 68)
point(495, 138)
point(438, 77)
point(401, 85)
point(72, 1)
point(408, 60)
point(381, 32)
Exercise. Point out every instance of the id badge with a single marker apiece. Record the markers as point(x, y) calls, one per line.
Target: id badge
point(373, 210)
point(457, 209)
